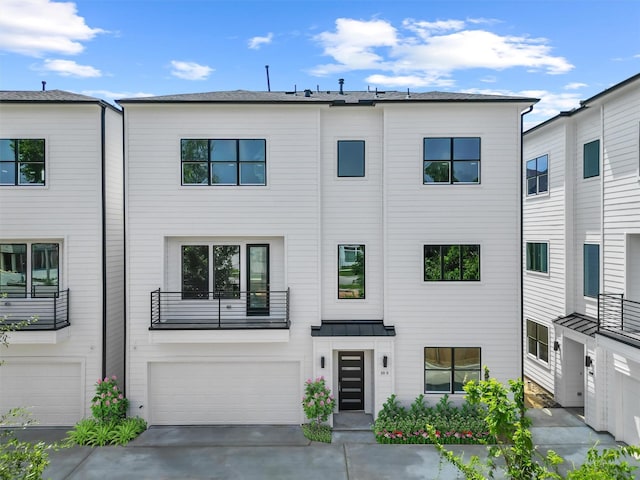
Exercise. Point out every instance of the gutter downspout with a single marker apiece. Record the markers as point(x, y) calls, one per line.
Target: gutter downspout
point(521, 329)
point(123, 384)
point(601, 279)
point(104, 237)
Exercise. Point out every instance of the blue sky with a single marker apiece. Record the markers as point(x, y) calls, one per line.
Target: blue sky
point(561, 51)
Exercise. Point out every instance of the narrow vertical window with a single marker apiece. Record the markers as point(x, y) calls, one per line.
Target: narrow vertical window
point(591, 261)
point(13, 269)
point(226, 271)
point(44, 269)
point(351, 158)
point(351, 271)
point(195, 271)
point(591, 159)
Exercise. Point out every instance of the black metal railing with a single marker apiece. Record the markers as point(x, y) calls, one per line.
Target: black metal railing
point(42, 311)
point(219, 310)
point(619, 315)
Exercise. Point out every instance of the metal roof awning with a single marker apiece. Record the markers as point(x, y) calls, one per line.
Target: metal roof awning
point(580, 323)
point(353, 328)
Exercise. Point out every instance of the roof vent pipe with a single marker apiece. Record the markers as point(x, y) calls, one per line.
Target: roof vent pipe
point(341, 83)
point(307, 93)
point(44, 85)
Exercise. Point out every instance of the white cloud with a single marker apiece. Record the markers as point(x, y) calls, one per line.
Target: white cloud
point(109, 95)
point(69, 68)
point(36, 27)
point(190, 70)
point(575, 86)
point(256, 42)
point(431, 50)
point(409, 81)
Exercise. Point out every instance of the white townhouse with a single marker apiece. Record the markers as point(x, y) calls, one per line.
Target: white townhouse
point(61, 250)
point(372, 238)
point(581, 281)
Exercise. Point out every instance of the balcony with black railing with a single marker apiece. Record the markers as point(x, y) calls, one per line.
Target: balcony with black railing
point(619, 316)
point(36, 310)
point(219, 310)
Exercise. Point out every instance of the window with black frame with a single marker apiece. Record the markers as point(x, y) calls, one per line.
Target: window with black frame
point(223, 161)
point(451, 160)
point(22, 161)
point(449, 369)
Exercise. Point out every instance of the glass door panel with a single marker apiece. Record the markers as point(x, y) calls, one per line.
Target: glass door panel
point(257, 279)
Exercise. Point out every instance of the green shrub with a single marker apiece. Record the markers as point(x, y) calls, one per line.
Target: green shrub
point(108, 404)
point(97, 434)
point(452, 424)
point(127, 430)
point(317, 432)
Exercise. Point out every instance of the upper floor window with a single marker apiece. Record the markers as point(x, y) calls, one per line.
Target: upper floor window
point(538, 175)
point(591, 159)
point(351, 271)
point(537, 257)
point(451, 160)
point(22, 161)
point(223, 162)
point(20, 271)
point(447, 370)
point(591, 269)
point(451, 263)
point(351, 158)
point(538, 340)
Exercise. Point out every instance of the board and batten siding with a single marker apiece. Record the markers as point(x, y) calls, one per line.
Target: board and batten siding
point(488, 214)
point(160, 208)
point(67, 210)
point(545, 220)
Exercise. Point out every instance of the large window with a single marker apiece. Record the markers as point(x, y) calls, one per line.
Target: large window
point(538, 175)
point(201, 263)
point(22, 161)
point(451, 160)
point(447, 370)
point(351, 262)
point(538, 341)
point(451, 263)
point(591, 270)
point(537, 257)
point(37, 273)
point(591, 159)
point(351, 158)
point(223, 162)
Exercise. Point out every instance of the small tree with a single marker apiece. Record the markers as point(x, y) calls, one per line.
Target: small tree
point(508, 423)
point(318, 404)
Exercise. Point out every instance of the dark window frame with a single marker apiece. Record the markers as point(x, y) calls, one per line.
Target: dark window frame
point(362, 248)
point(212, 269)
point(350, 160)
point(442, 260)
point(591, 159)
point(591, 270)
point(238, 162)
point(536, 342)
point(534, 175)
point(32, 285)
point(536, 259)
point(17, 163)
point(452, 370)
point(451, 160)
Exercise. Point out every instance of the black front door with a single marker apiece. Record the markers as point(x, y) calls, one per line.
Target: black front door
point(351, 380)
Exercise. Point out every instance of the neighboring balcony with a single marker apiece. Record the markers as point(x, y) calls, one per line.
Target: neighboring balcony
point(42, 311)
point(256, 310)
point(620, 317)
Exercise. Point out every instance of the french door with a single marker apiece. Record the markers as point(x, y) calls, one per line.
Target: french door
point(257, 279)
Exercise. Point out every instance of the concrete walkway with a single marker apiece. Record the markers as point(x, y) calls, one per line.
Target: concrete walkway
point(282, 452)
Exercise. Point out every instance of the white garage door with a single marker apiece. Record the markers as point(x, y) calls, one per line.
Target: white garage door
point(52, 392)
point(224, 393)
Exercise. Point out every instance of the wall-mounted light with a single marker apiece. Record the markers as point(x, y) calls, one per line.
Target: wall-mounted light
point(556, 346)
point(321, 362)
point(587, 361)
point(385, 361)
